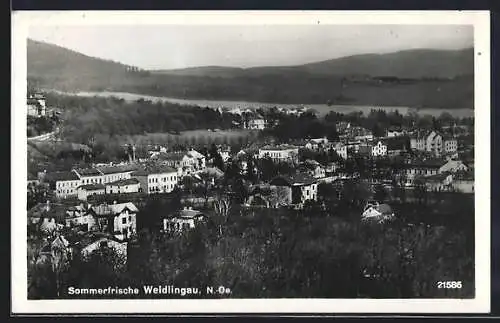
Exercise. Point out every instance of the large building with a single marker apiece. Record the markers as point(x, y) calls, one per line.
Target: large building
point(434, 143)
point(64, 184)
point(115, 173)
point(157, 179)
point(280, 153)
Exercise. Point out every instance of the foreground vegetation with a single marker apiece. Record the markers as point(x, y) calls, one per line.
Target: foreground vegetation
point(272, 254)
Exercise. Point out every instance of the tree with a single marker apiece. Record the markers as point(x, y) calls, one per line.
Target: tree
point(380, 193)
point(222, 207)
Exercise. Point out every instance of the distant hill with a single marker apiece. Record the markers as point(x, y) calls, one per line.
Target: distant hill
point(418, 63)
point(420, 78)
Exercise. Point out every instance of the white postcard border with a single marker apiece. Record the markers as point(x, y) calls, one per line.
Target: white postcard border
point(481, 304)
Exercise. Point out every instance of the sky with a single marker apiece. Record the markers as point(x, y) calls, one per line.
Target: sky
point(181, 46)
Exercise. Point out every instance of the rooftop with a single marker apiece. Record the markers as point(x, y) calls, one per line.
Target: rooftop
point(92, 187)
point(118, 168)
point(111, 209)
point(88, 172)
point(123, 182)
point(153, 169)
point(61, 176)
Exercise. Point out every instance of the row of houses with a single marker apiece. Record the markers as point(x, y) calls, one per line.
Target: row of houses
point(434, 143)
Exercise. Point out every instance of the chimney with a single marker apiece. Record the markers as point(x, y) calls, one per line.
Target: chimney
point(133, 153)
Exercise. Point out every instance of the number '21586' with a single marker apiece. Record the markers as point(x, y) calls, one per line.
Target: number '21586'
point(449, 284)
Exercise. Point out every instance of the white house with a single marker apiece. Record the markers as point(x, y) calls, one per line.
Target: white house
point(279, 153)
point(395, 132)
point(431, 142)
point(84, 191)
point(80, 216)
point(450, 145)
point(377, 212)
point(89, 176)
point(224, 152)
point(183, 220)
point(157, 179)
point(93, 241)
point(64, 184)
point(118, 219)
point(123, 186)
point(341, 150)
point(36, 105)
point(453, 166)
point(379, 149)
point(199, 162)
point(256, 124)
point(117, 172)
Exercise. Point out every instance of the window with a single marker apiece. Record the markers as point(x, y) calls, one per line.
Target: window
point(124, 221)
point(129, 218)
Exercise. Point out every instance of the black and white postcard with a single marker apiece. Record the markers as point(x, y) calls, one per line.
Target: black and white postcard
point(251, 162)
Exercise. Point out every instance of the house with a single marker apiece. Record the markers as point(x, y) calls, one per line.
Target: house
point(332, 167)
point(450, 145)
point(117, 172)
point(80, 216)
point(379, 149)
point(342, 126)
point(300, 187)
point(224, 152)
point(63, 183)
point(256, 123)
point(426, 167)
point(32, 180)
point(183, 220)
point(45, 210)
point(359, 134)
point(123, 186)
point(431, 142)
point(118, 219)
point(438, 183)
point(185, 162)
point(89, 175)
point(84, 191)
point(453, 166)
point(313, 168)
point(397, 145)
point(316, 144)
point(395, 132)
point(36, 105)
point(341, 149)
point(279, 153)
point(377, 212)
point(463, 182)
point(89, 242)
point(157, 179)
point(198, 161)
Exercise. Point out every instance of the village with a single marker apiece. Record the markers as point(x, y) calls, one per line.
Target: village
point(88, 208)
